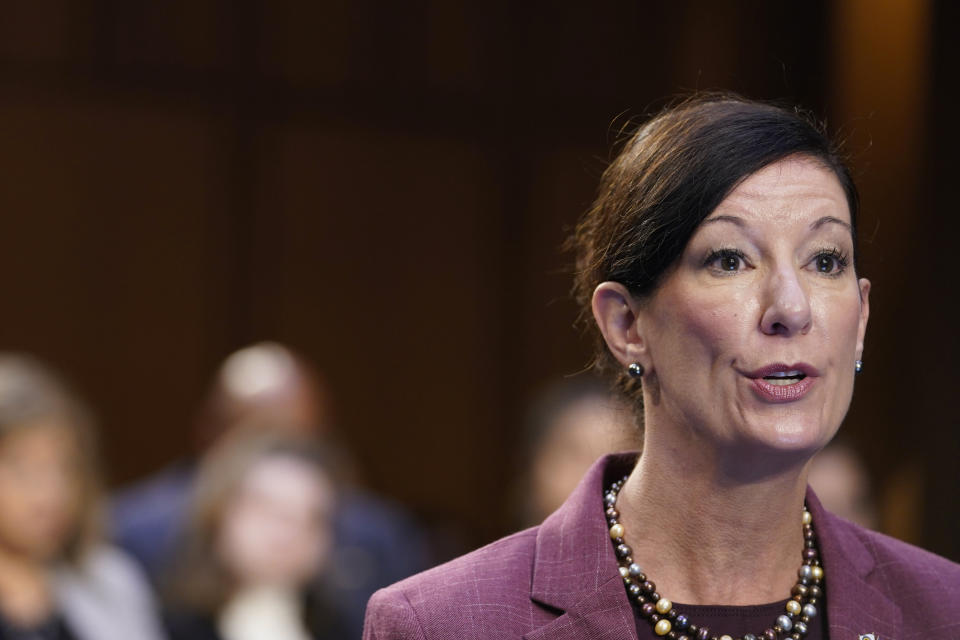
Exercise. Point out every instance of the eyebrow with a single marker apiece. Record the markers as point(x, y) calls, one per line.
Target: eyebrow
point(831, 220)
point(816, 224)
point(734, 219)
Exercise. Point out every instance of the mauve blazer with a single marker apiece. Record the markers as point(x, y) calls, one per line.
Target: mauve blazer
point(560, 581)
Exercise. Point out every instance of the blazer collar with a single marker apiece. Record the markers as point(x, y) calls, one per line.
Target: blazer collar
point(575, 570)
point(855, 605)
point(576, 573)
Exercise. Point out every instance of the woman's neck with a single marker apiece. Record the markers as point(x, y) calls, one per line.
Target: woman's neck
point(705, 535)
point(26, 596)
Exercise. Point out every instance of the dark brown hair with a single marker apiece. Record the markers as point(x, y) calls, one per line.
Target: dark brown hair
point(668, 177)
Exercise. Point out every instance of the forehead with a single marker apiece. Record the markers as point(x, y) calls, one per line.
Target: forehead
point(793, 189)
point(44, 435)
point(286, 479)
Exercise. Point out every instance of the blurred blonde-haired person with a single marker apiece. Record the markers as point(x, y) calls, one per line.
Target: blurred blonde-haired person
point(58, 579)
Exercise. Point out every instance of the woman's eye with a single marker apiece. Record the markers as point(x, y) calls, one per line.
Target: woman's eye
point(729, 263)
point(830, 262)
point(728, 260)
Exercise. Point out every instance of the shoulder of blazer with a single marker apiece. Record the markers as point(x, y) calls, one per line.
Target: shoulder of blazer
point(475, 595)
point(924, 587)
point(907, 568)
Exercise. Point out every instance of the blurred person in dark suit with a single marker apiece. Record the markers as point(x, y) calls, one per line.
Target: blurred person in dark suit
point(259, 535)
point(375, 540)
point(58, 579)
point(569, 424)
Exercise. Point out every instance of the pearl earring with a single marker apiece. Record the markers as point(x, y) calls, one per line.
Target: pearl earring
point(858, 366)
point(635, 370)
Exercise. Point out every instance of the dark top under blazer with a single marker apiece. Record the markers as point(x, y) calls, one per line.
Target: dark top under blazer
point(560, 581)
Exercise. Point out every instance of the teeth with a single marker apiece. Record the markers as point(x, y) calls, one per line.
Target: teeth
point(782, 382)
point(785, 374)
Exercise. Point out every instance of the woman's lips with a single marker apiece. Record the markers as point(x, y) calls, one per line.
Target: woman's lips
point(782, 392)
point(781, 382)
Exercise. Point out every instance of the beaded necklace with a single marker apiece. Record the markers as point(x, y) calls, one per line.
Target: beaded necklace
point(667, 621)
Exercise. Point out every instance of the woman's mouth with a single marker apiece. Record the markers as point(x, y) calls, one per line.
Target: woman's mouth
point(785, 378)
point(783, 383)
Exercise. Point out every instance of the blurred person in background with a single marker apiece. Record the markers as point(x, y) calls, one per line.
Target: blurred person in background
point(58, 580)
point(375, 541)
point(259, 533)
point(842, 483)
point(569, 425)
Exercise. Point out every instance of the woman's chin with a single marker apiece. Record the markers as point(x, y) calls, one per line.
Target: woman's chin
point(788, 442)
point(788, 431)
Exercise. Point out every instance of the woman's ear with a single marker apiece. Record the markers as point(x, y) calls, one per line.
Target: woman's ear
point(864, 285)
point(616, 313)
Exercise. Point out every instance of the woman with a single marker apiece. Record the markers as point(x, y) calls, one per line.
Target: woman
point(258, 538)
point(719, 263)
point(57, 579)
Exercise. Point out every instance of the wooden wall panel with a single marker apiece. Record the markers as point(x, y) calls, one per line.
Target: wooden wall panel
point(384, 271)
point(106, 259)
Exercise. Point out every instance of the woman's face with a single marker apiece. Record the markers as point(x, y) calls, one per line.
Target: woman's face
point(276, 530)
point(40, 489)
point(753, 335)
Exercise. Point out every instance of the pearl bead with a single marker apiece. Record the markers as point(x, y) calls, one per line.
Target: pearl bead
point(616, 531)
point(662, 628)
point(793, 607)
point(749, 636)
point(634, 569)
point(817, 573)
point(624, 573)
point(807, 518)
point(800, 628)
point(785, 622)
point(664, 605)
point(681, 622)
point(725, 637)
point(809, 610)
point(805, 571)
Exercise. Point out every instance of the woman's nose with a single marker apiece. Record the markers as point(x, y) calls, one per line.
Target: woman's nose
point(787, 305)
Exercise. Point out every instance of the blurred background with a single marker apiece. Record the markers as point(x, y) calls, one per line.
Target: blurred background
point(384, 187)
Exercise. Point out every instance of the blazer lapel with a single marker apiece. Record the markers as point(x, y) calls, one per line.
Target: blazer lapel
point(575, 570)
point(855, 606)
point(605, 614)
